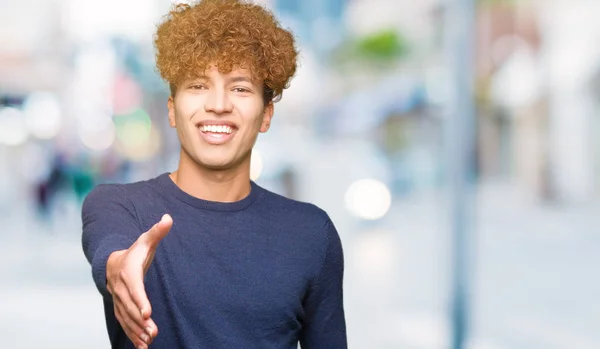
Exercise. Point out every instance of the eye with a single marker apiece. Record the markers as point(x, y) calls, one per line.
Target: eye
point(241, 90)
point(197, 87)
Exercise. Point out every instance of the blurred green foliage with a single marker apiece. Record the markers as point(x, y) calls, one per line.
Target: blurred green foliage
point(384, 45)
point(380, 49)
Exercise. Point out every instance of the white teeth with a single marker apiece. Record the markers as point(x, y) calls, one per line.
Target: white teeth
point(216, 128)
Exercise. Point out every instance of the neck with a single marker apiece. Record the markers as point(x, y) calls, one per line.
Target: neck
point(228, 185)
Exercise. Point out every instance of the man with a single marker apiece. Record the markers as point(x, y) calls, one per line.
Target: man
point(203, 257)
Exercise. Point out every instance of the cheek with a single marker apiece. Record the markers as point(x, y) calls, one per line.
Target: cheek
point(187, 106)
point(186, 130)
point(253, 114)
point(183, 118)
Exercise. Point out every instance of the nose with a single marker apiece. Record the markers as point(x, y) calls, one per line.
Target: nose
point(218, 102)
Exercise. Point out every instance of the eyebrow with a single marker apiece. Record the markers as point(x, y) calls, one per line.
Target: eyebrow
point(229, 80)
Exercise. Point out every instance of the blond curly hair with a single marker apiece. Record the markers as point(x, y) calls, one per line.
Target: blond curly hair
point(227, 34)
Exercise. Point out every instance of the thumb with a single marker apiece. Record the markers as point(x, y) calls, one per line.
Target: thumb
point(159, 231)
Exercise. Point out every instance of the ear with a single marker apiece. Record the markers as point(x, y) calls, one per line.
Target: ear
point(267, 116)
point(171, 106)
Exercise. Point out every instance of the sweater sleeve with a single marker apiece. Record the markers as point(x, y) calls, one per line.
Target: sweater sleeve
point(324, 323)
point(109, 224)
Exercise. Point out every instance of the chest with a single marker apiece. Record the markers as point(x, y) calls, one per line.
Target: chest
point(252, 275)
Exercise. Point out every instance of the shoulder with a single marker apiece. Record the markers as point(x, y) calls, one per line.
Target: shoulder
point(295, 210)
point(113, 191)
point(305, 223)
point(310, 229)
point(116, 194)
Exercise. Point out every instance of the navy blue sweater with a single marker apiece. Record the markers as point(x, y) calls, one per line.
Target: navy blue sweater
point(263, 272)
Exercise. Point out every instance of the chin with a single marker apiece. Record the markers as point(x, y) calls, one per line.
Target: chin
point(215, 161)
point(214, 164)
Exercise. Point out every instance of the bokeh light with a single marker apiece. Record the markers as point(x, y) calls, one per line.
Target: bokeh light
point(13, 130)
point(127, 95)
point(99, 136)
point(137, 139)
point(256, 165)
point(43, 115)
point(133, 129)
point(143, 148)
point(368, 199)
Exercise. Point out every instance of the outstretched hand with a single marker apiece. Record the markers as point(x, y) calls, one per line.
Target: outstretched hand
point(125, 271)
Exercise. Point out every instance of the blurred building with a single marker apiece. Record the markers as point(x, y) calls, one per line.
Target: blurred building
point(537, 97)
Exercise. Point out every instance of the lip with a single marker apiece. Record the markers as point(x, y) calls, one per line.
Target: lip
point(216, 138)
point(217, 122)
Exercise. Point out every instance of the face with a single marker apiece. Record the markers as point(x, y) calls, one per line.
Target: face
point(218, 118)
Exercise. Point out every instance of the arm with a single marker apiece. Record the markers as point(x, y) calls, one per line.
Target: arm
point(109, 224)
point(120, 256)
point(324, 323)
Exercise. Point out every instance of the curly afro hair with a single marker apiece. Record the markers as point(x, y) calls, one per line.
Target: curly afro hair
point(226, 34)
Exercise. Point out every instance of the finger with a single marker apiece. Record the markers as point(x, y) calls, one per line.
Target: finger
point(136, 295)
point(151, 329)
point(137, 340)
point(153, 236)
point(133, 325)
point(130, 307)
point(144, 248)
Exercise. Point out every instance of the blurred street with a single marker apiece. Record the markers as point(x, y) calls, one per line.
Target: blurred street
point(534, 274)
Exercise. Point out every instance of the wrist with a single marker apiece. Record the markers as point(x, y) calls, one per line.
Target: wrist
point(112, 264)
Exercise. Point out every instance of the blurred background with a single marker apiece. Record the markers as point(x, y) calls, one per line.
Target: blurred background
point(362, 132)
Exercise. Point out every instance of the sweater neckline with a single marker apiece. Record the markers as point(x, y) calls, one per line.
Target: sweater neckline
point(165, 182)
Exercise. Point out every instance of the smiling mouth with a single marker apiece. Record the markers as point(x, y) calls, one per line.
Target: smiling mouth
point(216, 129)
point(216, 134)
